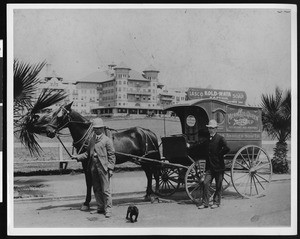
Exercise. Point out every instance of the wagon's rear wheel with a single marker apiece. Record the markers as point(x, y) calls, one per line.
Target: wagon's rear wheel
point(251, 171)
point(168, 182)
point(194, 178)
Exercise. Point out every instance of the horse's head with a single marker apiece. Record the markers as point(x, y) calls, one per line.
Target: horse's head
point(60, 119)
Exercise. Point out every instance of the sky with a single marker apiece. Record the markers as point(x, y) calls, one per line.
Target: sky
point(222, 48)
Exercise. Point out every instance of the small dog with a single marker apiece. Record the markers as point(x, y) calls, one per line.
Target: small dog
point(132, 211)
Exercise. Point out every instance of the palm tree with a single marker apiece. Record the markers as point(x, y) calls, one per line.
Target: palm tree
point(28, 122)
point(276, 117)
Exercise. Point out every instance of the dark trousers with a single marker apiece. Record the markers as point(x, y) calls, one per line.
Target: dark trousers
point(209, 176)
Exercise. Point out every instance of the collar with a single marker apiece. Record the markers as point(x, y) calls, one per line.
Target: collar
point(98, 137)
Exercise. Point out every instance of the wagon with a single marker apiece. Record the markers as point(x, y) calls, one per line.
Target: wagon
point(248, 166)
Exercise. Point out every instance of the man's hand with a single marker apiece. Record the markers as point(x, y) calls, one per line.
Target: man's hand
point(110, 173)
point(75, 157)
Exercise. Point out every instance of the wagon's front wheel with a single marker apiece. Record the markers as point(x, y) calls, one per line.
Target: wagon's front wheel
point(251, 171)
point(168, 182)
point(194, 178)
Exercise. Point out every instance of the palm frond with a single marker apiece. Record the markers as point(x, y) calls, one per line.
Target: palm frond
point(28, 123)
point(33, 124)
point(276, 115)
point(25, 82)
point(47, 98)
point(28, 138)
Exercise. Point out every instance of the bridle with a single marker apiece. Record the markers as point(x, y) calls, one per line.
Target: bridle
point(69, 120)
point(59, 128)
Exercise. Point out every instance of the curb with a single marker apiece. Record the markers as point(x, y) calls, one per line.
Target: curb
point(77, 197)
point(115, 196)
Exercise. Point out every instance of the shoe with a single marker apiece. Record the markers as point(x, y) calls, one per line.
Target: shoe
point(100, 211)
point(107, 215)
point(202, 206)
point(214, 206)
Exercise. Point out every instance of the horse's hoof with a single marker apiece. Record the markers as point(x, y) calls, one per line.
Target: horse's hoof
point(84, 208)
point(147, 198)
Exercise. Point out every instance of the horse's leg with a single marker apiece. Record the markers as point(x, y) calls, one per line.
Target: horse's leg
point(148, 173)
point(156, 174)
point(88, 180)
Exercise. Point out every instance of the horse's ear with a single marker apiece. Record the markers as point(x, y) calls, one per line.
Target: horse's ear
point(68, 106)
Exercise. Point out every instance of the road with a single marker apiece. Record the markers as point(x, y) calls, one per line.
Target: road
point(57, 206)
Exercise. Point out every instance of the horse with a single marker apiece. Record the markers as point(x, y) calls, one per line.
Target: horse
point(135, 141)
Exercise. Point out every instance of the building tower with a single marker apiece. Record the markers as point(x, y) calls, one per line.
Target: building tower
point(121, 86)
point(151, 74)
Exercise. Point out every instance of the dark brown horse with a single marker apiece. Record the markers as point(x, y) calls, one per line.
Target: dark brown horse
point(134, 141)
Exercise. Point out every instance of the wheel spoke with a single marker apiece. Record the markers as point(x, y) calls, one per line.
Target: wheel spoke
point(246, 185)
point(241, 164)
point(258, 154)
point(255, 184)
point(243, 175)
point(263, 165)
point(171, 184)
point(249, 166)
point(248, 156)
point(259, 182)
point(262, 178)
point(173, 179)
point(250, 185)
point(195, 188)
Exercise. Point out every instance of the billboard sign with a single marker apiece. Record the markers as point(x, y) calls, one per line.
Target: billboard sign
point(245, 120)
point(230, 96)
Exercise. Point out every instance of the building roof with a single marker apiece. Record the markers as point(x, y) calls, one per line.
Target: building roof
point(106, 75)
point(98, 76)
point(151, 68)
point(134, 75)
point(101, 76)
point(122, 66)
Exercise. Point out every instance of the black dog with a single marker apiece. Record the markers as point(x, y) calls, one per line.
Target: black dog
point(132, 211)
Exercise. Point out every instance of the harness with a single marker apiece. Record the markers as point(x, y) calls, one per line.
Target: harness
point(84, 140)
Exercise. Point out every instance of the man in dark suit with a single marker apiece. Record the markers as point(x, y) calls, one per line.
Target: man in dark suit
point(215, 166)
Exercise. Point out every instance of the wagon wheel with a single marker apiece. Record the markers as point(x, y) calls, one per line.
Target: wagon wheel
point(194, 178)
point(251, 171)
point(168, 181)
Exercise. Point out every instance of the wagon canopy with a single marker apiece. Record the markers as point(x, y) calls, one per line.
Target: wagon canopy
point(235, 122)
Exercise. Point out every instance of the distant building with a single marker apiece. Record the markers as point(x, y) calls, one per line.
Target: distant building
point(53, 81)
point(118, 90)
point(125, 91)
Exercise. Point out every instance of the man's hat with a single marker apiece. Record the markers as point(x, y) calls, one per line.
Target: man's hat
point(98, 123)
point(212, 124)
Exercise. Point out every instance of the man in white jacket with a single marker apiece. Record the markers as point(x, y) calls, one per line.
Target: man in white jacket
point(101, 156)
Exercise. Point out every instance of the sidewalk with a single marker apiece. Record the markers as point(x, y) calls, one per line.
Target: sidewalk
point(73, 185)
point(123, 184)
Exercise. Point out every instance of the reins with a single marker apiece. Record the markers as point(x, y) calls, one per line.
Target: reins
point(86, 136)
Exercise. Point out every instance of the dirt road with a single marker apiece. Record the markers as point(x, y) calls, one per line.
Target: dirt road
point(175, 215)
